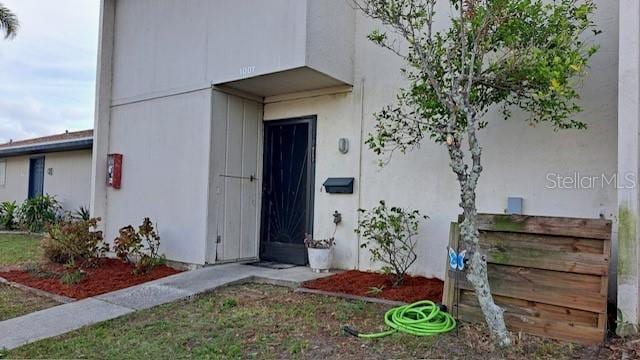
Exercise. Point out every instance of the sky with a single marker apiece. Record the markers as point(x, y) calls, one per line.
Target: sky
point(47, 72)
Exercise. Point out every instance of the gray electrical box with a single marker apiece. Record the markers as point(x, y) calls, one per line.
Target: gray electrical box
point(514, 205)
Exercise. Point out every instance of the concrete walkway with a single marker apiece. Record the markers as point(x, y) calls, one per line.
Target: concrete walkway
point(68, 317)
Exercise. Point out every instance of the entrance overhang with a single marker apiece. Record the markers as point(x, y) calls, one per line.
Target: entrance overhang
point(285, 82)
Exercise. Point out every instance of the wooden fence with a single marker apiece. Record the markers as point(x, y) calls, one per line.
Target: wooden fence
point(549, 274)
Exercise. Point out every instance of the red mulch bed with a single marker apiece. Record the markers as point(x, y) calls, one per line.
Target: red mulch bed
point(360, 283)
point(111, 275)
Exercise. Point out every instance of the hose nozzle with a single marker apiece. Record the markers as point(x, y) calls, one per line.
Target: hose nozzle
point(351, 331)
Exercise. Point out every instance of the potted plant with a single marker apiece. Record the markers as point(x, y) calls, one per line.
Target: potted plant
point(320, 251)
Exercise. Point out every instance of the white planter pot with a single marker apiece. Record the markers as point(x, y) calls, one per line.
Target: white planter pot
point(320, 259)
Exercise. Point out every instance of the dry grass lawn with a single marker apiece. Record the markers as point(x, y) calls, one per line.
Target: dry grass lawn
point(15, 302)
point(267, 322)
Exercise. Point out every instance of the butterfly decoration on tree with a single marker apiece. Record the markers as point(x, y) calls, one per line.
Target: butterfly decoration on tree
point(456, 260)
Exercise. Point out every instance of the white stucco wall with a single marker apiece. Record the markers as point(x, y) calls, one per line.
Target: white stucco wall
point(225, 40)
point(16, 179)
point(165, 147)
point(167, 53)
point(70, 180)
point(628, 163)
point(330, 37)
point(157, 62)
point(517, 157)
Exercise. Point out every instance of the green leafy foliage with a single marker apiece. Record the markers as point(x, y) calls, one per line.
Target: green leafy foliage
point(513, 54)
point(528, 55)
point(390, 234)
point(142, 245)
point(82, 213)
point(128, 243)
point(8, 215)
point(38, 271)
point(624, 328)
point(326, 243)
point(75, 241)
point(72, 277)
point(312, 243)
point(73, 274)
point(36, 213)
point(9, 23)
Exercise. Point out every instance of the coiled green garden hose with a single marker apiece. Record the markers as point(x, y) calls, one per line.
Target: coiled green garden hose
point(422, 318)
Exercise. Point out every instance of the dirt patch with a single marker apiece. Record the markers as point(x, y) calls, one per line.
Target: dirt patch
point(110, 275)
point(370, 284)
point(620, 348)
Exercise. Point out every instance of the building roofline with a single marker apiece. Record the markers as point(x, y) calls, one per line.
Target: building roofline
point(67, 141)
point(49, 147)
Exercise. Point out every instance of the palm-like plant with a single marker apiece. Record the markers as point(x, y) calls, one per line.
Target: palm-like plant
point(8, 22)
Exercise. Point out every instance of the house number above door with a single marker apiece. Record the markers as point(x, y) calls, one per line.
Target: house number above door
point(247, 70)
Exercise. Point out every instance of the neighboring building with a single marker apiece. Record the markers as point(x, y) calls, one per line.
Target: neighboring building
point(57, 165)
point(228, 114)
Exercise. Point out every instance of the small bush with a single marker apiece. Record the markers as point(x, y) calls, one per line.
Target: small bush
point(147, 263)
point(392, 232)
point(70, 240)
point(36, 213)
point(148, 232)
point(82, 213)
point(38, 271)
point(142, 245)
point(72, 278)
point(312, 243)
point(127, 244)
point(8, 215)
point(73, 274)
point(53, 251)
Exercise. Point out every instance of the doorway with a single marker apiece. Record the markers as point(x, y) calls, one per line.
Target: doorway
point(287, 189)
point(36, 177)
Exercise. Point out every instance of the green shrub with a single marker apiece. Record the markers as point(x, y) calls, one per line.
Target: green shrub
point(8, 215)
point(38, 271)
point(127, 244)
point(82, 213)
point(142, 245)
point(74, 241)
point(36, 213)
point(73, 274)
point(72, 277)
point(147, 263)
point(392, 232)
point(53, 251)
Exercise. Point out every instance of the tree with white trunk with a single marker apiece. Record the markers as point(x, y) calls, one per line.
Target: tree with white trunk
point(490, 54)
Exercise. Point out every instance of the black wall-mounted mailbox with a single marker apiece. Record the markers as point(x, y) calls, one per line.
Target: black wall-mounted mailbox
point(339, 185)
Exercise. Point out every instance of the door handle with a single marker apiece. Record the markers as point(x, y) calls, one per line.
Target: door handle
point(251, 178)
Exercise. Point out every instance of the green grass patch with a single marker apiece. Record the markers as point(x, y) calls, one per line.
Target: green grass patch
point(15, 302)
point(266, 322)
point(19, 249)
